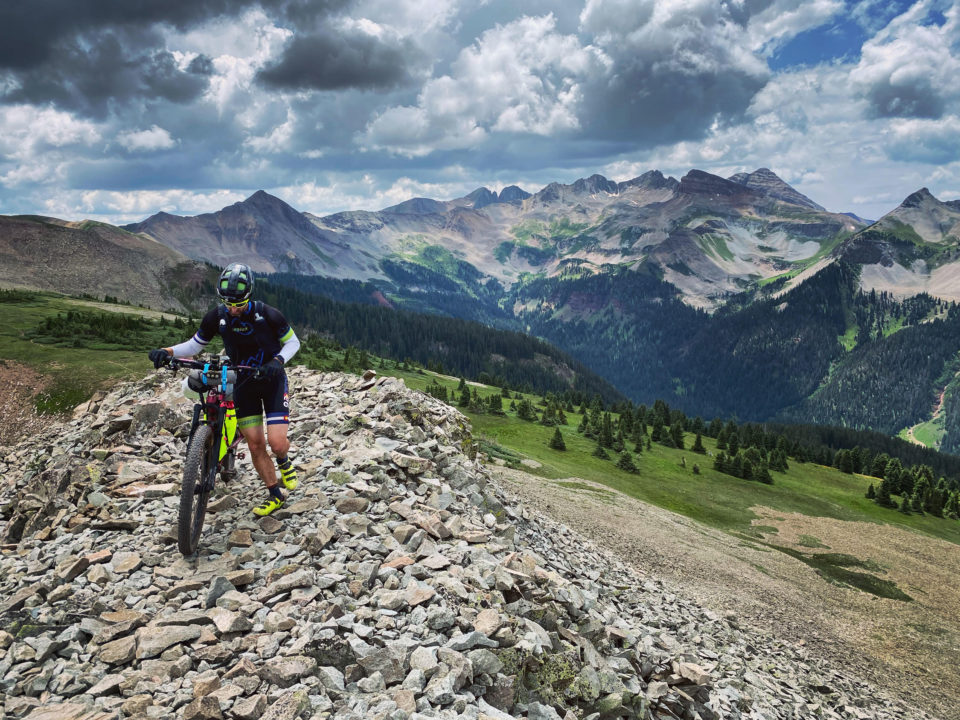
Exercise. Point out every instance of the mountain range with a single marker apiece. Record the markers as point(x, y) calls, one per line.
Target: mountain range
point(727, 296)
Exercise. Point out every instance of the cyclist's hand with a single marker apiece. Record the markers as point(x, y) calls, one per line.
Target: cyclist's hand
point(272, 368)
point(160, 357)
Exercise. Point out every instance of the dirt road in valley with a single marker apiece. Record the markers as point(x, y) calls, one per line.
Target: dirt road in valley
point(909, 648)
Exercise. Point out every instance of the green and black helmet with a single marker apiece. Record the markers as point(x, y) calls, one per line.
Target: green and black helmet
point(235, 284)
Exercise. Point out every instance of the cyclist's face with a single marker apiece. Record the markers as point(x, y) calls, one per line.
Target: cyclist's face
point(236, 311)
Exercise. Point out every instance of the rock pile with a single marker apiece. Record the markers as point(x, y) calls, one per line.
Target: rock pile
point(398, 583)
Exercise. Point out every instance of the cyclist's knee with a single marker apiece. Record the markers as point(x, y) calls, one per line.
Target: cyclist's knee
point(257, 443)
point(279, 445)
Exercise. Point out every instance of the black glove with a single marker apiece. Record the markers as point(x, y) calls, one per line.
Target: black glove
point(272, 368)
point(159, 357)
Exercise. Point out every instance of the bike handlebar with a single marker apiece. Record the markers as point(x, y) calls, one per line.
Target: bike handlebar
point(214, 364)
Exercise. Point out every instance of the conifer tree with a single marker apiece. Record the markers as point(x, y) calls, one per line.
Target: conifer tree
point(606, 431)
point(762, 473)
point(871, 492)
point(676, 434)
point(698, 445)
point(733, 443)
point(656, 429)
point(720, 462)
point(556, 442)
point(625, 463)
point(548, 417)
point(599, 452)
point(721, 439)
point(905, 505)
point(714, 428)
point(883, 495)
point(525, 410)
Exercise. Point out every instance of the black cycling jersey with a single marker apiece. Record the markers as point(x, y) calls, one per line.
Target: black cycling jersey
point(252, 338)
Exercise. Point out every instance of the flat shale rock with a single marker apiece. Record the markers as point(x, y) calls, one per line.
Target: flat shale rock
point(400, 582)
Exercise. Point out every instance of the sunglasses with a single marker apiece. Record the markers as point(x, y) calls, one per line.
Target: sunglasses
point(239, 304)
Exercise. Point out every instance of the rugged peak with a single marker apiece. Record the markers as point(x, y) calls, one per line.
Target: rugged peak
point(652, 179)
point(918, 199)
point(481, 197)
point(698, 182)
point(513, 193)
point(594, 184)
point(765, 181)
point(262, 198)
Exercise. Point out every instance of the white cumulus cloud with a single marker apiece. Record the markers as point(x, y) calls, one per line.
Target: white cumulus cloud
point(153, 138)
point(520, 77)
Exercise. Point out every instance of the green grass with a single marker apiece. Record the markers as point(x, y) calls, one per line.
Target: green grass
point(929, 433)
point(716, 245)
point(849, 338)
point(74, 372)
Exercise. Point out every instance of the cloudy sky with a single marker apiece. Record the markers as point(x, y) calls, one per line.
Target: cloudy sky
point(116, 109)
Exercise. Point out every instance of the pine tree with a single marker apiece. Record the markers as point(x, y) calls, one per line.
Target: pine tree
point(721, 439)
point(556, 442)
point(733, 443)
point(599, 452)
point(656, 429)
point(762, 473)
point(883, 498)
point(676, 434)
point(606, 431)
point(698, 444)
point(720, 462)
point(871, 492)
point(525, 411)
point(905, 505)
point(625, 463)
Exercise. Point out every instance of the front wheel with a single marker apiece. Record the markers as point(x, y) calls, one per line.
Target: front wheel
point(193, 496)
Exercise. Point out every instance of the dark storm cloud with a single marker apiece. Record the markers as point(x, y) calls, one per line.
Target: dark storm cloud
point(31, 29)
point(916, 100)
point(334, 61)
point(109, 68)
point(653, 107)
point(86, 55)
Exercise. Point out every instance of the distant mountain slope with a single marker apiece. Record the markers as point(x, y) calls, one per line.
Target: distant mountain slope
point(264, 232)
point(87, 257)
point(709, 236)
point(912, 249)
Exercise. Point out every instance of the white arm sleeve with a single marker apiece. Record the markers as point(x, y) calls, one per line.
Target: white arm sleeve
point(290, 347)
point(191, 347)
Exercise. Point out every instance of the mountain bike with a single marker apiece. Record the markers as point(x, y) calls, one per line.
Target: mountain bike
point(213, 440)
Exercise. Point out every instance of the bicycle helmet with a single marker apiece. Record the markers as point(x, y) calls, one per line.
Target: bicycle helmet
point(236, 283)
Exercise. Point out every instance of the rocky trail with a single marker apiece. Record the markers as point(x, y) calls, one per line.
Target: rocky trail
point(402, 581)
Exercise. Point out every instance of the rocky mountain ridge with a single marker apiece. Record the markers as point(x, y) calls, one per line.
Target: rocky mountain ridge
point(400, 581)
point(708, 235)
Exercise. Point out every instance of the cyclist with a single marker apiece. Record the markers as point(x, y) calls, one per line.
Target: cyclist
point(253, 334)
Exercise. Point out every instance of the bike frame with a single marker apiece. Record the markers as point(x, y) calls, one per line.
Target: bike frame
point(218, 411)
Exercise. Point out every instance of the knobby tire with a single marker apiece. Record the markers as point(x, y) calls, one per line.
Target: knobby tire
point(193, 504)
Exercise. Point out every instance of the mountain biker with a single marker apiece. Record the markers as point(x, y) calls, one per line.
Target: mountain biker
point(253, 334)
